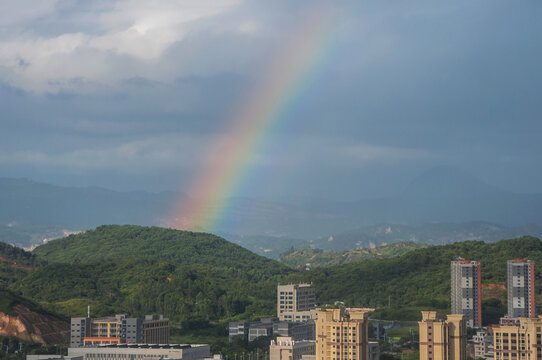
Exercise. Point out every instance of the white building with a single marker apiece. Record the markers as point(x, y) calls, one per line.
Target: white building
point(142, 352)
point(284, 348)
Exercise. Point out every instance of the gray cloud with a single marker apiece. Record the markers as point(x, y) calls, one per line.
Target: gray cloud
point(123, 87)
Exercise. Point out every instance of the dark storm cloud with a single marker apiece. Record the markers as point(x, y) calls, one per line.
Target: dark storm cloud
point(122, 88)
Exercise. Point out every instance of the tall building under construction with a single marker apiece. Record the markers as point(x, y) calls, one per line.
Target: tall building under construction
point(466, 291)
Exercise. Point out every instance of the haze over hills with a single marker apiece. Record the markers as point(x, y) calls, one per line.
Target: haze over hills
point(31, 211)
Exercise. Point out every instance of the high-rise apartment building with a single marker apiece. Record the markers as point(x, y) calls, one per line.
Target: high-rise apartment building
point(520, 283)
point(443, 340)
point(466, 291)
point(342, 334)
point(518, 342)
point(295, 302)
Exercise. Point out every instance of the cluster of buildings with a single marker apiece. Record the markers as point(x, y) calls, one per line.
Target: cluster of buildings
point(296, 311)
point(301, 331)
point(467, 289)
point(120, 329)
point(309, 333)
point(518, 336)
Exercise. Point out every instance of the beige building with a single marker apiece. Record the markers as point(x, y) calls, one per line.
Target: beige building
point(443, 340)
point(519, 342)
point(342, 334)
point(285, 348)
point(295, 301)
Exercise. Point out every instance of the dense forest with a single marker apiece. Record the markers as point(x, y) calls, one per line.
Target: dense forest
point(141, 270)
point(196, 278)
point(419, 278)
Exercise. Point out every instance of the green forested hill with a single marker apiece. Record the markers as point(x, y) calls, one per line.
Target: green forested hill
point(299, 258)
point(15, 263)
point(420, 277)
point(112, 242)
point(187, 275)
point(142, 270)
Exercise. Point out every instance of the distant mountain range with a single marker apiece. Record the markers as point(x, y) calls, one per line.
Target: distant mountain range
point(371, 236)
point(443, 197)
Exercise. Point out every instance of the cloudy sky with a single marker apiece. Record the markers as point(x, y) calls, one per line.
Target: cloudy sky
point(130, 94)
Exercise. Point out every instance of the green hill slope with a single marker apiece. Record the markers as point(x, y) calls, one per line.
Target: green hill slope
point(142, 270)
point(112, 242)
point(317, 258)
point(420, 277)
point(15, 263)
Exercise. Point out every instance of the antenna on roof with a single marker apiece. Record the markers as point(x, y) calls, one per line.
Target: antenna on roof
point(88, 311)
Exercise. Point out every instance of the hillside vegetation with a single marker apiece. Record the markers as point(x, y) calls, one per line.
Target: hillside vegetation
point(420, 277)
point(15, 263)
point(299, 258)
point(113, 242)
point(194, 277)
point(143, 270)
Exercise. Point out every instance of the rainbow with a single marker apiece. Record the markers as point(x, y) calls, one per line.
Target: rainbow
point(228, 163)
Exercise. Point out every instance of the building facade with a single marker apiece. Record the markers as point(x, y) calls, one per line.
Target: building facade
point(443, 340)
point(142, 352)
point(373, 350)
point(483, 345)
point(466, 291)
point(286, 348)
point(295, 302)
point(296, 330)
point(153, 329)
point(520, 284)
point(238, 330)
point(342, 334)
point(518, 342)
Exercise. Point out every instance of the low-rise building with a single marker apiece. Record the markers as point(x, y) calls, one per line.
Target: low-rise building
point(373, 350)
point(52, 357)
point(142, 352)
point(285, 348)
point(250, 331)
point(483, 345)
point(296, 330)
point(153, 329)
